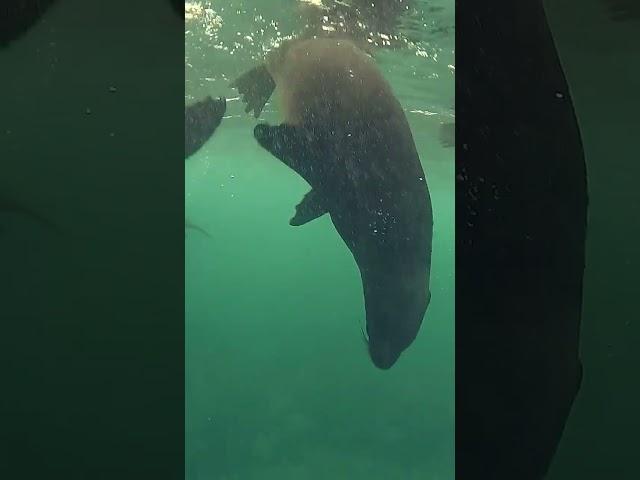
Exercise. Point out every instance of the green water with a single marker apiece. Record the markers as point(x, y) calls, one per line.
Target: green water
point(278, 381)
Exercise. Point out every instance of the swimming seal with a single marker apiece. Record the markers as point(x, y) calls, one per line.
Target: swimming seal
point(345, 133)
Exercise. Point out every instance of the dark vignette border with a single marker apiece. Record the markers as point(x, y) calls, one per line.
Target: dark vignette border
point(521, 206)
point(93, 341)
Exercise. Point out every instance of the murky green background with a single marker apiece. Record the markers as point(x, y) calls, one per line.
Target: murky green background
point(278, 382)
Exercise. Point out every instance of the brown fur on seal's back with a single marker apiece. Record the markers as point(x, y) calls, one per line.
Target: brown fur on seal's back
point(332, 85)
point(328, 82)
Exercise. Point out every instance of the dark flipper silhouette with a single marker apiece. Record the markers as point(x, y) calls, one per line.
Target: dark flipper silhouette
point(255, 86)
point(200, 122)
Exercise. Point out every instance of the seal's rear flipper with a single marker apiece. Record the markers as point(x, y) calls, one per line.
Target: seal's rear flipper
point(309, 208)
point(200, 122)
point(256, 86)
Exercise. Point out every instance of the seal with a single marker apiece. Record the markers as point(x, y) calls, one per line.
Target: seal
point(345, 133)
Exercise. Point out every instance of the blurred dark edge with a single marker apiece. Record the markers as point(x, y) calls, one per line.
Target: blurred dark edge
point(622, 10)
point(18, 16)
point(521, 206)
point(93, 383)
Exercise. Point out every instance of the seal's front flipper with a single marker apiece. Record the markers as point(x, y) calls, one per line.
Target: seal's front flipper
point(256, 86)
point(296, 147)
point(200, 122)
point(309, 208)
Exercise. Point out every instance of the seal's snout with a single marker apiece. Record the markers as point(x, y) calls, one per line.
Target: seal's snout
point(383, 356)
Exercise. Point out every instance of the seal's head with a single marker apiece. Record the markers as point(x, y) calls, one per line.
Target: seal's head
point(393, 321)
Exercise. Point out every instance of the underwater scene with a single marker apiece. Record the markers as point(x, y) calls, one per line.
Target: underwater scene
point(279, 381)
